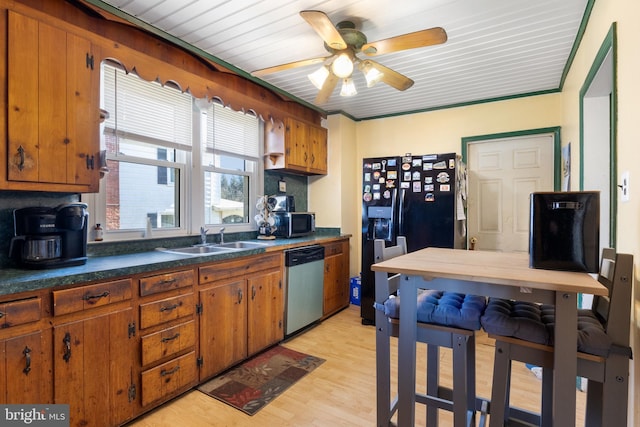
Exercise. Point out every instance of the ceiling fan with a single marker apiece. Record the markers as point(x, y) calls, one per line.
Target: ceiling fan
point(344, 42)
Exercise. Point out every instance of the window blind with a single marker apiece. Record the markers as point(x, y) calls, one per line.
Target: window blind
point(143, 111)
point(232, 132)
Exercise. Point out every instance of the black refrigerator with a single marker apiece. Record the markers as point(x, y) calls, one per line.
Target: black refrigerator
point(420, 197)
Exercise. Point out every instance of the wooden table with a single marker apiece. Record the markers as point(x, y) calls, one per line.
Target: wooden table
point(491, 274)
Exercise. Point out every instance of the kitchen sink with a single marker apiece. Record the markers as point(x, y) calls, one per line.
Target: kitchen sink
point(199, 250)
point(242, 245)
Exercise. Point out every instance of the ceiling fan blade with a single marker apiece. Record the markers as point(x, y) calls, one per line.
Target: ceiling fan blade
point(390, 77)
point(422, 38)
point(327, 89)
point(283, 67)
point(321, 23)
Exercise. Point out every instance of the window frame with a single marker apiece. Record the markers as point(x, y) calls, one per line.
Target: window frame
point(190, 183)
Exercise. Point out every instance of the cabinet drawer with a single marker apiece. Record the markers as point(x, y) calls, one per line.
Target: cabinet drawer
point(13, 313)
point(157, 312)
point(168, 342)
point(168, 378)
point(165, 282)
point(239, 267)
point(332, 249)
point(86, 297)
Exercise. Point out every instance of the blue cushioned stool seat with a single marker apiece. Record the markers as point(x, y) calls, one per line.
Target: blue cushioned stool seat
point(443, 308)
point(535, 323)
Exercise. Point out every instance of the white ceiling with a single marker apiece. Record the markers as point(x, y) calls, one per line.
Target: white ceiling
point(495, 48)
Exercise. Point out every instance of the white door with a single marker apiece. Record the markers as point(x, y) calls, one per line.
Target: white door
point(502, 174)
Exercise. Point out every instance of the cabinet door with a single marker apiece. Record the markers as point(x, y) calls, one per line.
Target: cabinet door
point(26, 369)
point(295, 151)
point(93, 368)
point(265, 311)
point(223, 326)
point(336, 277)
point(317, 150)
point(52, 117)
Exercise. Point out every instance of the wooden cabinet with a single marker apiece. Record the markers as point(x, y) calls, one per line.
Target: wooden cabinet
point(242, 310)
point(168, 342)
point(25, 358)
point(93, 343)
point(296, 146)
point(336, 277)
point(52, 114)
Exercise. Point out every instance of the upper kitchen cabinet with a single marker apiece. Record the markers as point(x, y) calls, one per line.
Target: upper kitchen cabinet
point(295, 146)
point(52, 111)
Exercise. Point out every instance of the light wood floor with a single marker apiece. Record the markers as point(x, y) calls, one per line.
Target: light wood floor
point(341, 392)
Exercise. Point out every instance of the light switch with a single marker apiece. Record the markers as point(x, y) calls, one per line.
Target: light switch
point(624, 186)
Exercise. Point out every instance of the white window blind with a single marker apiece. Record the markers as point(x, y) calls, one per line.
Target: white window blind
point(146, 112)
point(232, 132)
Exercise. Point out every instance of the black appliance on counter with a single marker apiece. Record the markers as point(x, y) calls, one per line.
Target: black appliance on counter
point(418, 197)
point(564, 233)
point(50, 237)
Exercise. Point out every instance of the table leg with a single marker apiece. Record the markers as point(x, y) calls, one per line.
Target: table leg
point(565, 360)
point(407, 351)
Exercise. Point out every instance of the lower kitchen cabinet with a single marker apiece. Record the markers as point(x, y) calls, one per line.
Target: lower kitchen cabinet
point(336, 277)
point(168, 378)
point(93, 344)
point(26, 368)
point(25, 353)
point(240, 314)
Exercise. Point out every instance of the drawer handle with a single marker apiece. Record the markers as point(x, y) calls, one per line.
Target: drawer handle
point(27, 365)
point(169, 307)
point(164, 373)
point(67, 347)
point(92, 297)
point(171, 338)
point(167, 281)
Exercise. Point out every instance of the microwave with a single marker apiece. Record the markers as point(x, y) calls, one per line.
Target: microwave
point(294, 224)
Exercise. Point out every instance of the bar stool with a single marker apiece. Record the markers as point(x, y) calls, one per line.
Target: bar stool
point(524, 332)
point(445, 319)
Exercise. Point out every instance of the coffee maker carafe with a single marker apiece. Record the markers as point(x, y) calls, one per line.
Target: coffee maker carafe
point(50, 237)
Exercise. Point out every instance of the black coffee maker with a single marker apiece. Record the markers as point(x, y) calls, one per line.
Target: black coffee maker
point(50, 237)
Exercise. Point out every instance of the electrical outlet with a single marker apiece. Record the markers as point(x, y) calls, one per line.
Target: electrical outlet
point(624, 186)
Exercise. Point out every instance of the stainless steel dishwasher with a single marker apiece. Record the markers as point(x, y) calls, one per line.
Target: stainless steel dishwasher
point(304, 277)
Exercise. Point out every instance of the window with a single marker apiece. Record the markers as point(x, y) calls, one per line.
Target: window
point(174, 161)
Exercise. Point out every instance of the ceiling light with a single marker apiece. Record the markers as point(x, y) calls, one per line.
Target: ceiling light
point(348, 88)
point(319, 76)
point(342, 66)
point(371, 74)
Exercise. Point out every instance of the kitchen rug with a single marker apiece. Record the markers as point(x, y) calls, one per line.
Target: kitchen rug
point(251, 385)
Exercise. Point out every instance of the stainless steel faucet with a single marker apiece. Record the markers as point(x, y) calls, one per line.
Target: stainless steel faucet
point(203, 235)
point(221, 234)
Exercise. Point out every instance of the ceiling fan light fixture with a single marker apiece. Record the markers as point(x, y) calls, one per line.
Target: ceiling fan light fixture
point(372, 75)
point(348, 87)
point(342, 66)
point(319, 76)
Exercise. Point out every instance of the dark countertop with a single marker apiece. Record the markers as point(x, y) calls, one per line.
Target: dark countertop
point(15, 280)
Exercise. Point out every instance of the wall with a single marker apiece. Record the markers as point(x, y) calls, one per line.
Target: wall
point(626, 13)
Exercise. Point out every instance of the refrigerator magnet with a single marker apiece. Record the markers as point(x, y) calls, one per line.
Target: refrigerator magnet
point(428, 179)
point(376, 187)
point(366, 197)
point(429, 197)
point(367, 176)
point(406, 166)
point(440, 165)
point(452, 163)
point(376, 196)
point(386, 194)
point(429, 187)
point(430, 157)
point(406, 176)
point(404, 185)
point(392, 175)
point(417, 187)
point(416, 176)
point(367, 188)
point(427, 166)
point(377, 166)
point(416, 163)
point(442, 177)
point(445, 187)
point(367, 166)
point(376, 175)
point(390, 183)
point(391, 163)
